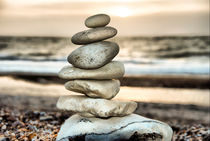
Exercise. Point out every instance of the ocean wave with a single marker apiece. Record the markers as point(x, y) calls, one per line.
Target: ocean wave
point(160, 67)
point(141, 55)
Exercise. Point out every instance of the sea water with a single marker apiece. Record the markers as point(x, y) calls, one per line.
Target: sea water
point(141, 55)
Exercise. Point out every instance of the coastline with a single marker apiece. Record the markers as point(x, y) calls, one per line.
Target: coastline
point(135, 75)
point(183, 106)
point(20, 87)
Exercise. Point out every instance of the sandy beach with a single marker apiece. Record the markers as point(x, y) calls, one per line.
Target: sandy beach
point(200, 97)
point(28, 109)
point(162, 103)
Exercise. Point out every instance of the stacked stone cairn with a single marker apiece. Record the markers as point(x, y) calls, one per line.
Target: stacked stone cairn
point(95, 76)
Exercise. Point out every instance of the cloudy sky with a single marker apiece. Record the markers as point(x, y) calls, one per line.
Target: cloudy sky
point(130, 17)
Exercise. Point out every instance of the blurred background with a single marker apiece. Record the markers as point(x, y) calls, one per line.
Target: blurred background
point(164, 45)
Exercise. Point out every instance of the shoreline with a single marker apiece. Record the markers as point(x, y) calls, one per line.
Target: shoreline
point(19, 87)
point(132, 67)
point(183, 106)
point(164, 81)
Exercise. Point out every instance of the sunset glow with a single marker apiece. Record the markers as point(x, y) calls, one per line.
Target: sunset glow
point(121, 11)
point(120, 8)
point(31, 2)
point(39, 17)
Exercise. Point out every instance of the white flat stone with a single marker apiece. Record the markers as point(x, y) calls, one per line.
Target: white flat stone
point(106, 89)
point(95, 106)
point(93, 35)
point(112, 70)
point(114, 129)
point(98, 20)
point(93, 56)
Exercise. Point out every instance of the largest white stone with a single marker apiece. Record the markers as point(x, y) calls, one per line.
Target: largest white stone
point(113, 129)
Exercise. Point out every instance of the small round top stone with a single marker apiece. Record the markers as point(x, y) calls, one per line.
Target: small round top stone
point(99, 20)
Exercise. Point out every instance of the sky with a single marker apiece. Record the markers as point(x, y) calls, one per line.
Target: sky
point(130, 17)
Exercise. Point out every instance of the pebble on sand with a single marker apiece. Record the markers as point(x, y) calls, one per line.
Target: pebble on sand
point(127, 128)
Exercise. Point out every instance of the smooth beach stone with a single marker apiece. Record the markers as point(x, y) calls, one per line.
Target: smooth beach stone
point(128, 128)
point(106, 89)
point(98, 20)
point(94, 35)
point(96, 106)
point(112, 70)
point(93, 55)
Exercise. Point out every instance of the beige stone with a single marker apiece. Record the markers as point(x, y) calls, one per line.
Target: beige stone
point(98, 20)
point(93, 55)
point(94, 35)
point(95, 106)
point(106, 89)
point(112, 70)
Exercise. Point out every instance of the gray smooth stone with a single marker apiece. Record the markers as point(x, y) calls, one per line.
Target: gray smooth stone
point(98, 20)
point(106, 89)
point(96, 106)
point(127, 128)
point(93, 35)
point(112, 70)
point(93, 55)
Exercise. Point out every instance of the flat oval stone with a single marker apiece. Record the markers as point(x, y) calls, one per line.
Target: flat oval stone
point(93, 55)
point(112, 70)
point(106, 89)
point(96, 106)
point(98, 20)
point(93, 35)
point(128, 128)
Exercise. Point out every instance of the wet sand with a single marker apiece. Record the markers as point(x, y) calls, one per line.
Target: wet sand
point(171, 105)
point(11, 86)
